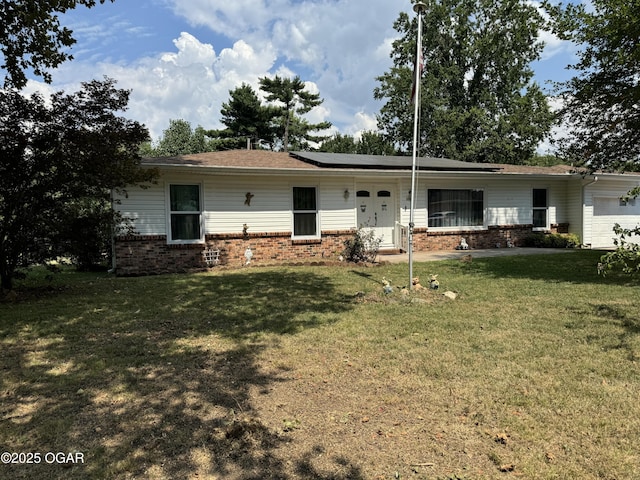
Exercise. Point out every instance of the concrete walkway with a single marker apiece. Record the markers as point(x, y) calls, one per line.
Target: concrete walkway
point(478, 253)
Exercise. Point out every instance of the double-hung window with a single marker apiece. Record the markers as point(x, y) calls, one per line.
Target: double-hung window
point(185, 215)
point(540, 209)
point(455, 208)
point(305, 212)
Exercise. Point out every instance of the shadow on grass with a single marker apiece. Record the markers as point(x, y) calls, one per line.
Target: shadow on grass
point(579, 266)
point(157, 377)
point(367, 276)
point(603, 313)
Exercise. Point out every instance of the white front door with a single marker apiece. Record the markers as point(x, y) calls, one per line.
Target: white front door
point(377, 212)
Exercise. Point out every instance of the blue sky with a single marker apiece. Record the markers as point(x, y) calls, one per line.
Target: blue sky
point(180, 58)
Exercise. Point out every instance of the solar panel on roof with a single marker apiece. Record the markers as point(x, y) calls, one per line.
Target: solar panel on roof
point(350, 160)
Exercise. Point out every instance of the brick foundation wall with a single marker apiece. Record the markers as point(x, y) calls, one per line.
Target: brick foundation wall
point(493, 237)
point(150, 254)
point(277, 247)
point(496, 236)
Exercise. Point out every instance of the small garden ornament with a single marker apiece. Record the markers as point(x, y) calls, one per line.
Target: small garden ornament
point(463, 244)
point(386, 286)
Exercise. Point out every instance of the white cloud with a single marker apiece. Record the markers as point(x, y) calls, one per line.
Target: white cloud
point(363, 123)
point(232, 19)
point(190, 83)
point(342, 45)
point(190, 52)
point(553, 45)
point(338, 47)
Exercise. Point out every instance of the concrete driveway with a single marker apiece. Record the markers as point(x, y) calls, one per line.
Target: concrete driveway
point(478, 253)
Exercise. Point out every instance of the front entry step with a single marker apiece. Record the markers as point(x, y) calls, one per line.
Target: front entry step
point(390, 251)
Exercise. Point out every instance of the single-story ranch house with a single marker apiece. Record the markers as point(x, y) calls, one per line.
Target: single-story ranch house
point(266, 207)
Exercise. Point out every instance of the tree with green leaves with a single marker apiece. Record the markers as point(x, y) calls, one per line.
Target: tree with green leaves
point(602, 101)
point(55, 153)
point(180, 139)
point(176, 140)
point(290, 100)
point(374, 143)
point(31, 37)
point(370, 143)
point(339, 143)
point(246, 119)
point(478, 101)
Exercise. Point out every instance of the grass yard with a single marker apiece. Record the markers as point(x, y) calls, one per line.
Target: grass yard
point(533, 372)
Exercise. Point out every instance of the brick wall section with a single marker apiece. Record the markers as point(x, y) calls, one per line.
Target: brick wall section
point(150, 254)
point(277, 247)
point(493, 237)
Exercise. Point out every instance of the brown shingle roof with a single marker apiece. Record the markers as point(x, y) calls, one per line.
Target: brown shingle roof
point(265, 159)
point(529, 169)
point(234, 158)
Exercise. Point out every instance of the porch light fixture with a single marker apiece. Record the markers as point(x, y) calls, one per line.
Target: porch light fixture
point(346, 194)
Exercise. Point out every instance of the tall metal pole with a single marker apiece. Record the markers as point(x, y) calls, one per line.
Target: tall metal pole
point(419, 8)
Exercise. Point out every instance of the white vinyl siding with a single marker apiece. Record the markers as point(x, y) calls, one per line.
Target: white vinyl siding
point(269, 210)
point(506, 204)
point(574, 210)
point(145, 208)
point(507, 200)
point(337, 210)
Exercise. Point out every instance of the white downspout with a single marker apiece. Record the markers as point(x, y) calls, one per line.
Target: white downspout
point(584, 187)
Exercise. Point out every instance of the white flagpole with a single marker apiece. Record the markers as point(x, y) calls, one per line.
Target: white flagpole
point(419, 8)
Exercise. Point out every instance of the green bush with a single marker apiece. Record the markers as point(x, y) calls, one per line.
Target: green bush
point(552, 240)
point(626, 256)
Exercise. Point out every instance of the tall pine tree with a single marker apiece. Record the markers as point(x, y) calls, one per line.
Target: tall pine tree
point(246, 119)
point(291, 99)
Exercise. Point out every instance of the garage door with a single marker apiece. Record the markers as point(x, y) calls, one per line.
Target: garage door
point(607, 211)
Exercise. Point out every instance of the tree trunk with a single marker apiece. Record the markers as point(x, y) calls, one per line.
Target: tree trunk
point(285, 140)
point(7, 270)
point(6, 282)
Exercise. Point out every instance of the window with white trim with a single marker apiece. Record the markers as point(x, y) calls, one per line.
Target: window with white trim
point(185, 213)
point(305, 212)
point(540, 209)
point(455, 208)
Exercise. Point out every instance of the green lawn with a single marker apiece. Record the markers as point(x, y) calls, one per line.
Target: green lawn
point(313, 372)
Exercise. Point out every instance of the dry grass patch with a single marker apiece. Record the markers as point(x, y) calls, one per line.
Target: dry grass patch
point(315, 373)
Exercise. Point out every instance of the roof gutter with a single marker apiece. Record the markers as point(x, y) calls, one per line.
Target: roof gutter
point(342, 172)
